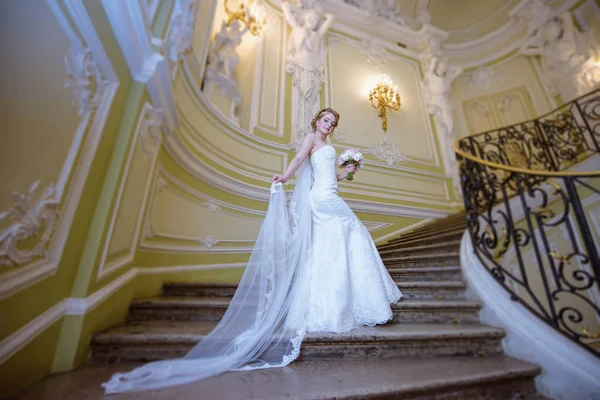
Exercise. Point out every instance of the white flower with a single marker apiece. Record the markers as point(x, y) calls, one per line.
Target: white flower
point(360, 155)
point(345, 156)
point(357, 157)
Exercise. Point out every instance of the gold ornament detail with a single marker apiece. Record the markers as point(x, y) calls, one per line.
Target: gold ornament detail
point(249, 13)
point(384, 97)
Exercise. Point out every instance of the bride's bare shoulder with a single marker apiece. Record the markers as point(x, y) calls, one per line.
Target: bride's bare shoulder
point(309, 140)
point(310, 137)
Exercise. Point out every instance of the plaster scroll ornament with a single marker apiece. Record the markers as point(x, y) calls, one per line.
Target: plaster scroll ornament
point(386, 9)
point(383, 9)
point(212, 207)
point(503, 103)
point(483, 78)
point(376, 53)
point(387, 152)
point(482, 108)
point(305, 61)
point(32, 218)
point(182, 29)
point(208, 242)
point(339, 136)
point(84, 79)
point(150, 130)
point(222, 61)
point(436, 85)
point(149, 231)
point(161, 183)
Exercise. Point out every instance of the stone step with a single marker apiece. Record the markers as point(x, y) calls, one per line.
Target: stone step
point(429, 233)
point(411, 290)
point(213, 308)
point(435, 248)
point(491, 378)
point(193, 289)
point(426, 274)
point(430, 260)
point(422, 241)
point(436, 311)
point(430, 290)
point(426, 234)
point(156, 340)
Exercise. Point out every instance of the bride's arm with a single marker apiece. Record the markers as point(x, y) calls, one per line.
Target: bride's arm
point(308, 143)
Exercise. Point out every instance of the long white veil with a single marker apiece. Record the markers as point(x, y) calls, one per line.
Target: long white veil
point(263, 326)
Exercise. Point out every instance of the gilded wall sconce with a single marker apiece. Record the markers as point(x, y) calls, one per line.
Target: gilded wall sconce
point(249, 13)
point(384, 97)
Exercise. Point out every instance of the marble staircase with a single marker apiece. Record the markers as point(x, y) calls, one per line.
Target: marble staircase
point(433, 324)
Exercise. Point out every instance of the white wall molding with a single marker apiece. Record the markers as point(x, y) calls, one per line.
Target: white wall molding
point(84, 41)
point(507, 37)
point(569, 372)
point(235, 132)
point(190, 83)
point(203, 145)
point(12, 344)
point(205, 173)
point(190, 162)
point(348, 15)
point(273, 17)
point(145, 131)
point(165, 180)
point(132, 28)
point(391, 54)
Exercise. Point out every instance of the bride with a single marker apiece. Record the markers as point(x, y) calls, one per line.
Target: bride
point(314, 268)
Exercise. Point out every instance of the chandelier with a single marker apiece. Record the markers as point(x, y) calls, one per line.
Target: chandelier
point(384, 97)
point(249, 13)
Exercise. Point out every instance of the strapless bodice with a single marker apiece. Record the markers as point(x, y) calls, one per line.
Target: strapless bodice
point(323, 163)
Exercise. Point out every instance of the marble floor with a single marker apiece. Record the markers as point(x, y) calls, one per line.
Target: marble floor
point(390, 378)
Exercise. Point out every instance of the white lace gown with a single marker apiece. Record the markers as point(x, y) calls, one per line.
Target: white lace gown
point(345, 285)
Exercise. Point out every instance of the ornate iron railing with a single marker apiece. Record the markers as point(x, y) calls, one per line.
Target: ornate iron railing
point(535, 225)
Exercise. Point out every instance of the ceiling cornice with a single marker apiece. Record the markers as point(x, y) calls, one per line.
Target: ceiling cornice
point(506, 39)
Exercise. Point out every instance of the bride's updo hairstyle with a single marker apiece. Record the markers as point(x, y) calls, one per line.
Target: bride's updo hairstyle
point(322, 112)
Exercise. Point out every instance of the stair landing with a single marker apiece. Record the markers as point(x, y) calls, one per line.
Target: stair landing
point(489, 378)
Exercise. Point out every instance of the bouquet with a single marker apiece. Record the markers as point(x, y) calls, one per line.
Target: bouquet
point(351, 157)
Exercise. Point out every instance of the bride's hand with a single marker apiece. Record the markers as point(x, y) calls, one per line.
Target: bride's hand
point(279, 178)
point(351, 168)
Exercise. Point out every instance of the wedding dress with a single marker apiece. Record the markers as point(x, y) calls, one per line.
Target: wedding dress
point(314, 268)
point(345, 284)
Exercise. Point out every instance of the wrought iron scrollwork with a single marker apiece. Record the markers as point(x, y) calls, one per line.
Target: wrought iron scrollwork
point(529, 218)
